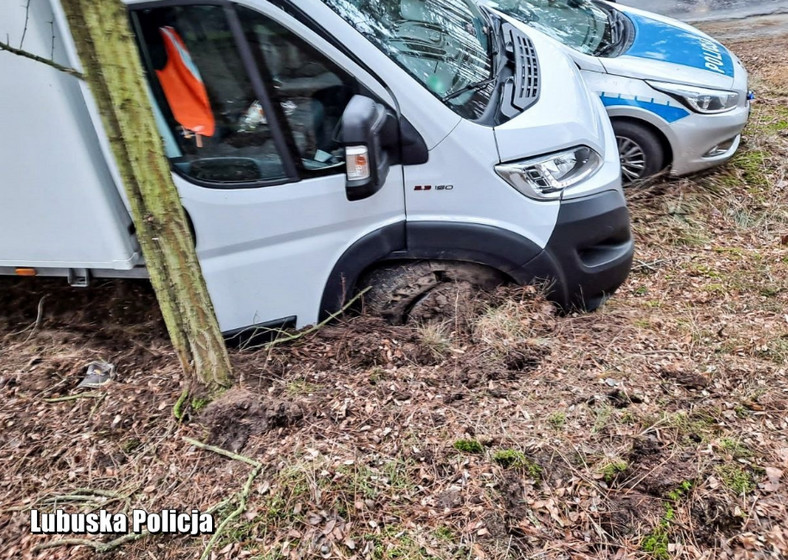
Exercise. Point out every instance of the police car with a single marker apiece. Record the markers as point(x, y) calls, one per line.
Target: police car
point(676, 97)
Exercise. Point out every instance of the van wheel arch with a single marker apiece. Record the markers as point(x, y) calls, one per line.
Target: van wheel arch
point(499, 249)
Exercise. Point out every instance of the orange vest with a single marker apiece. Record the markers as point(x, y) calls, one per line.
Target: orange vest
point(183, 87)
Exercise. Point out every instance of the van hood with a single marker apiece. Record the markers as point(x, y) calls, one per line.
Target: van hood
point(566, 114)
point(668, 50)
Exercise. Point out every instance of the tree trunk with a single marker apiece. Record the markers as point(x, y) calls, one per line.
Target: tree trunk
point(112, 68)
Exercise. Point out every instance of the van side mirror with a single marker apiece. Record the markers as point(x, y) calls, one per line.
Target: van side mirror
point(367, 129)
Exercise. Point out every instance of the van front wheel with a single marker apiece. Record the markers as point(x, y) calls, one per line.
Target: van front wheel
point(423, 291)
point(641, 152)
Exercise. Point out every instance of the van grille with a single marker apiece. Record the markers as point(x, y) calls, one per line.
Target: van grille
point(526, 74)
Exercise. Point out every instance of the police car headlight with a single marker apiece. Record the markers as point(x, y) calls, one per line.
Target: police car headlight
point(700, 100)
point(547, 177)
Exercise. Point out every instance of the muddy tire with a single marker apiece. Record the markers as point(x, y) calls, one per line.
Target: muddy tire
point(424, 291)
point(641, 152)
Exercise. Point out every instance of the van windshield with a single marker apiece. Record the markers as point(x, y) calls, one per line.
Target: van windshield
point(444, 44)
point(580, 24)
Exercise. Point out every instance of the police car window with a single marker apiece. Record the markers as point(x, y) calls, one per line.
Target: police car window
point(309, 89)
point(211, 121)
point(580, 24)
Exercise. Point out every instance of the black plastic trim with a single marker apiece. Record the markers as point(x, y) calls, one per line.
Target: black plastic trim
point(494, 247)
point(413, 149)
point(587, 258)
point(258, 333)
point(498, 248)
point(589, 255)
point(373, 247)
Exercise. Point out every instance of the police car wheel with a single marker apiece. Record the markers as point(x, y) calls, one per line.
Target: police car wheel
point(640, 151)
point(424, 291)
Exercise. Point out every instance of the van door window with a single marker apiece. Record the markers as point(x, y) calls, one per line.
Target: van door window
point(205, 99)
point(310, 90)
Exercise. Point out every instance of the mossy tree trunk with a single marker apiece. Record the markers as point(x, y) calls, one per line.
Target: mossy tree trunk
point(114, 74)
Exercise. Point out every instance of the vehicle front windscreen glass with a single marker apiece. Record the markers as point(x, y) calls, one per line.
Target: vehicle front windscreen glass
point(579, 24)
point(444, 44)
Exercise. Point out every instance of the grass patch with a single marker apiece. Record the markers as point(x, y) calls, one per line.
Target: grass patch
point(468, 446)
point(602, 416)
point(656, 544)
point(680, 491)
point(736, 478)
point(503, 327)
point(697, 426)
point(130, 445)
point(735, 448)
point(557, 420)
point(434, 337)
point(775, 350)
point(514, 459)
point(611, 470)
point(444, 533)
point(396, 542)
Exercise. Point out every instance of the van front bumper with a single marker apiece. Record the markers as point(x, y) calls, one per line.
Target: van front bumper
point(589, 255)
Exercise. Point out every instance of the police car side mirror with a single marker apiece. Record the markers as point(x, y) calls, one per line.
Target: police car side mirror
point(367, 128)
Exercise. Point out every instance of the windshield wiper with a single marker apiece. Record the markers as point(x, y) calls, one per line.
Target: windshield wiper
point(617, 33)
point(470, 87)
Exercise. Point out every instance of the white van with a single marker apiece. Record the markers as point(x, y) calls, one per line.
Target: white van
point(315, 144)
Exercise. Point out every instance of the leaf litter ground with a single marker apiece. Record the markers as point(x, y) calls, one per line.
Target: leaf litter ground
point(654, 428)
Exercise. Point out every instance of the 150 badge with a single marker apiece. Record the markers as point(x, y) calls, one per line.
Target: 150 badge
point(433, 187)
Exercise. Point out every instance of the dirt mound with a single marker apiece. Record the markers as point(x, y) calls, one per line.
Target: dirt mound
point(239, 413)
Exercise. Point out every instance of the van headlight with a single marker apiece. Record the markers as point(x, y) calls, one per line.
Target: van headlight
point(700, 100)
point(547, 177)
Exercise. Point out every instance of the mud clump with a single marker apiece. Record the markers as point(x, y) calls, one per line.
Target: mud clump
point(717, 517)
point(239, 414)
point(654, 475)
point(629, 512)
point(687, 379)
point(512, 492)
point(525, 357)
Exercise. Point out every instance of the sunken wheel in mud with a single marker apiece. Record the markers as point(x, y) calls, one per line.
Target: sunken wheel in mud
point(424, 291)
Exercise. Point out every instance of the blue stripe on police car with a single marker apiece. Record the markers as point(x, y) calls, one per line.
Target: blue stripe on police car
point(670, 113)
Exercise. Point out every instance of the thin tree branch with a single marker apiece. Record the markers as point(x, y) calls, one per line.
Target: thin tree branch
point(41, 59)
point(243, 497)
point(98, 546)
point(222, 452)
point(75, 397)
point(27, 19)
